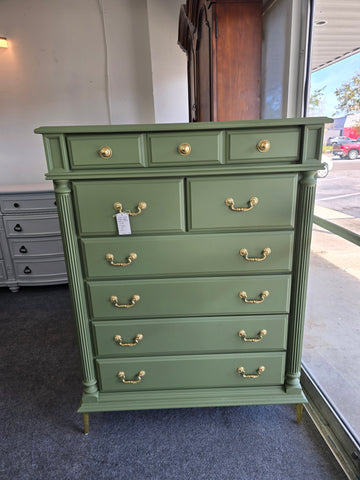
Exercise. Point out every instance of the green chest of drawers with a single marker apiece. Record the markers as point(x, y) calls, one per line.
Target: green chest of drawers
point(203, 303)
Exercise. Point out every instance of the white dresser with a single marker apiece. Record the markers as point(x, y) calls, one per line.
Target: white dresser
point(31, 251)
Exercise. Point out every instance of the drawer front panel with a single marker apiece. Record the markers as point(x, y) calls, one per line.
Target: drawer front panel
point(190, 296)
point(284, 145)
point(127, 151)
point(191, 335)
point(32, 225)
point(2, 270)
point(29, 203)
point(38, 268)
point(188, 254)
point(275, 208)
point(204, 148)
point(28, 247)
point(164, 211)
point(191, 371)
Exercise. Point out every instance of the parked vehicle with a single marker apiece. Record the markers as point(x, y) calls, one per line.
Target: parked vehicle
point(350, 150)
point(328, 165)
point(340, 140)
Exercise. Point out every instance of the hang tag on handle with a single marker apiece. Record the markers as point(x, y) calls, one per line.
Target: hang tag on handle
point(123, 223)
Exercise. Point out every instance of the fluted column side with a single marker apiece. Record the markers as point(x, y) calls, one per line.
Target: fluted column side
point(303, 233)
point(72, 256)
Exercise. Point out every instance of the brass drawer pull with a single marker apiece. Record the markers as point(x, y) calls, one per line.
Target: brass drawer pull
point(260, 370)
point(110, 258)
point(105, 152)
point(118, 340)
point(184, 149)
point(261, 334)
point(252, 202)
point(138, 377)
point(134, 299)
point(244, 253)
point(141, 206)
point(18, 228)
point(263, 146)
point(263, 295)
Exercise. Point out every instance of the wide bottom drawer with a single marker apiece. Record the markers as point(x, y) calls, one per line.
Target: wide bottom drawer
point(191, 371)
point(191, 335)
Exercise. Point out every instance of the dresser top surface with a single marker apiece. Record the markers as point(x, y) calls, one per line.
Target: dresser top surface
point(163, 127)
point(29, 188)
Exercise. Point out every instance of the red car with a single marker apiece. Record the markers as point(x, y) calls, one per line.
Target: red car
point(350, 150)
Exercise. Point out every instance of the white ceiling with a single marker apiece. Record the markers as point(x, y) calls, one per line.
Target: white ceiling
point(340, 36)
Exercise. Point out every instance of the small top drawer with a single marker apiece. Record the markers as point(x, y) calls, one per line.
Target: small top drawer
point(185, 148)
point(22, 203)
point(265, 145)
point(106, 151)
point(246, 202)
point(163, 211)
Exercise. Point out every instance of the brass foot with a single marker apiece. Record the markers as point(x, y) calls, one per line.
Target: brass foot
point(299, 412)
point(86, 423)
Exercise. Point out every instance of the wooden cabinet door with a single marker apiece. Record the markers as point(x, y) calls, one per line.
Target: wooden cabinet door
point(237, 62)
point(203, 71)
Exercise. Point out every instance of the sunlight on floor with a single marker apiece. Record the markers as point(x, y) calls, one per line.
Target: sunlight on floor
point(331, 247)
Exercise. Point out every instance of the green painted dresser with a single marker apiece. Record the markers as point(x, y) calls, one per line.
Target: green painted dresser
point(202, 304)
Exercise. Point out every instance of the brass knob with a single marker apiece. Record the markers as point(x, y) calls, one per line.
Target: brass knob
point(105, 152)
point(142, 205)
point(184, 149)
point(263, 146)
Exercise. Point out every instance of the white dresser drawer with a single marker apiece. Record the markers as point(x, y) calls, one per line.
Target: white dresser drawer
point(28, 247)
point(25, 226)
point(18, 204)
point(31, 268)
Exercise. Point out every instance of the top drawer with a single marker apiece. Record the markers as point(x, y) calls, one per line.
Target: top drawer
point(28, 203)
point(107, 151)
point(185, 148)
point(279, 145)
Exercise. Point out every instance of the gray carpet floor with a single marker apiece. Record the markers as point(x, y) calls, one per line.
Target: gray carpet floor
point(41, 433)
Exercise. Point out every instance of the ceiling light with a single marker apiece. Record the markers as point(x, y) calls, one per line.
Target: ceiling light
point(3, 42)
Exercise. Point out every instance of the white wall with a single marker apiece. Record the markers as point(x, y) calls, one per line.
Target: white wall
point(168, 67)
point(84, 62)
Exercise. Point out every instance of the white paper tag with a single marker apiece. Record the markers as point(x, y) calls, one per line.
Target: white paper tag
point(123, 223)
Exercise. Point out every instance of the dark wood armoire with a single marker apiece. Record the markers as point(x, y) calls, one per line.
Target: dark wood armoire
point(222, 40)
